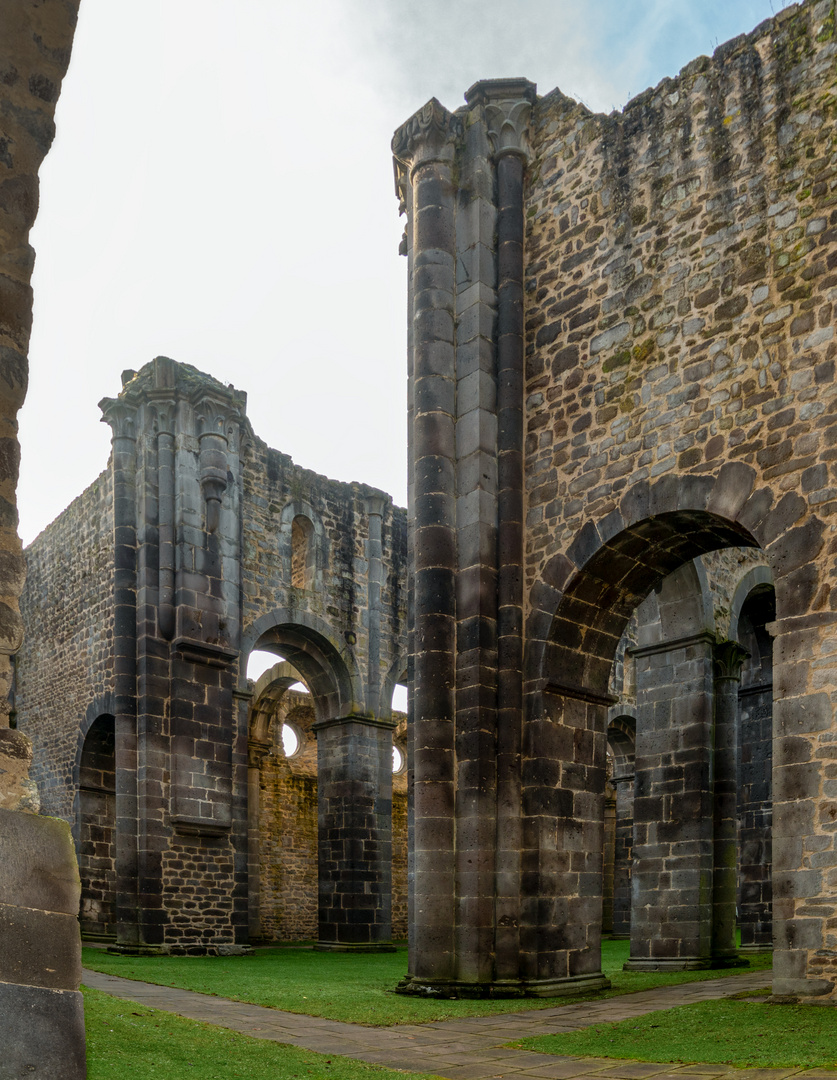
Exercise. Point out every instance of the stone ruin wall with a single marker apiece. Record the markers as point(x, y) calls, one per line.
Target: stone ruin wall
point(65, 676)
point(680, 282)
point(271, 483)
point(65, 671)
point(680, 287)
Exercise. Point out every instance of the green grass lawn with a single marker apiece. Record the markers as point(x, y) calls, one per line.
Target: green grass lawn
point(742, 1033)
point(129, 1040)
point(354, 987)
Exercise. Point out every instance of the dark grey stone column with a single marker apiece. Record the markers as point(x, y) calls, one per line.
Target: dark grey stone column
point(257, 751)
point(729, 656)
point(507, 108)
point(673, 850)
point(122, 419)
point(755, 809)
point(426, 146)
point(622, 855)
point(354, 800)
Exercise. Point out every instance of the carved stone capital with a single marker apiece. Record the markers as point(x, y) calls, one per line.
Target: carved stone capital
point(216, 414)
point(122, 417)
point(507, 105)
point(431, 134)
point(162, 413)
point(729, 659)
point(375, 504)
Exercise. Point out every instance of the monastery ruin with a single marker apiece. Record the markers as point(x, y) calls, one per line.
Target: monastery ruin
point(611, 595)
point(621, 358)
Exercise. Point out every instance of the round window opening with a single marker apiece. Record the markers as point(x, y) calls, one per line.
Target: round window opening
point(398, 761)
point(290, 740)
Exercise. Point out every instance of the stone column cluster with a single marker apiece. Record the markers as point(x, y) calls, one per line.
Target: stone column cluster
point(181, 765)
point(460, 179)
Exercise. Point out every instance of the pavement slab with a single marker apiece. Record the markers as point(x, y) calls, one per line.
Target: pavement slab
point(467, 1048)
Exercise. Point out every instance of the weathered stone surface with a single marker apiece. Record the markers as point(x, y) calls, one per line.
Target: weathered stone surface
point(678, 267)
point(39, 864)
point(197, 545)
point(43, 1033)
point(39, 948)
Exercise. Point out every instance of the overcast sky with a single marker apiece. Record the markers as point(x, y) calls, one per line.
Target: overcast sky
point(220, 191)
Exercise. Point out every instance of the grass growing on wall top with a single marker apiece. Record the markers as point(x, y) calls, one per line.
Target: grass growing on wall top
point(357, 988)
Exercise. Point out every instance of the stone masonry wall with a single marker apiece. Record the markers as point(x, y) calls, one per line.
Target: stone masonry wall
point(288, 829)
point(272, 483)
point(679, 280)
point(65, 668)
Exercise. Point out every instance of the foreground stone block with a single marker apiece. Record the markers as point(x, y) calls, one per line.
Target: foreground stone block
point(43, 1033)
point(41, 1010)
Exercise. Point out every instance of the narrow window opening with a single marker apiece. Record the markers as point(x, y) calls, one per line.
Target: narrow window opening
point(302, 561)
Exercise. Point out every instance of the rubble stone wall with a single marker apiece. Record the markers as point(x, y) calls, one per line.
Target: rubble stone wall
point(66, 665)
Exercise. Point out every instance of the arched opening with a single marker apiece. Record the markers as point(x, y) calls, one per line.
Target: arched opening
point(97, 831)
point(282, 809)
point(673, 840)
point(302, 552)
point(353, 782)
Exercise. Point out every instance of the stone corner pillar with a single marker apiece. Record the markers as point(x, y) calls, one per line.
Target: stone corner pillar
point(354, 816)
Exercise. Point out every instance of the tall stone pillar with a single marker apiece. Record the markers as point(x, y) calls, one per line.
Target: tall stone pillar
point(121, 417)
point(257, 751)
point(354, 808)
point(622, 856)
point(490, 904)
point(729, 657)
point(426, 147)
point(673, 849)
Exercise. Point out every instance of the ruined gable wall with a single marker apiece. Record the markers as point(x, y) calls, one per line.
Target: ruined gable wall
point(271, 482)
point(66, 666)
point(680, 284)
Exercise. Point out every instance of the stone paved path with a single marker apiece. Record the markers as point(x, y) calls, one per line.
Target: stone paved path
point(469, 1048)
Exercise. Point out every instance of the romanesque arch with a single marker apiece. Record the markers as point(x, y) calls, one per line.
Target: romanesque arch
point(96, 824)
point(592, 590)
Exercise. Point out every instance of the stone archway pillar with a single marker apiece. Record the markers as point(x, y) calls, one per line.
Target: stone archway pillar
point(729, 657)
point(623, 842)
point(354, 812)
point(673, 852)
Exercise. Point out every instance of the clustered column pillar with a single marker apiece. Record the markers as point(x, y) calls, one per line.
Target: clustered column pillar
point(462, 184)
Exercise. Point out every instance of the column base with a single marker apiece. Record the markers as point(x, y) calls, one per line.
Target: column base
point(729, 960)
point(755, 949)
point(180, 950)
point(680, 963)
point(519, 988)
point(367, 946)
